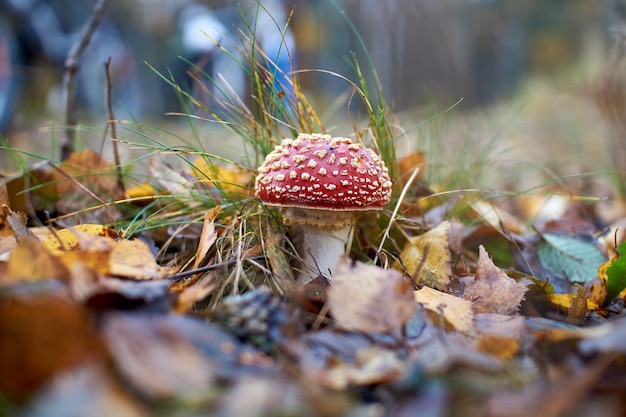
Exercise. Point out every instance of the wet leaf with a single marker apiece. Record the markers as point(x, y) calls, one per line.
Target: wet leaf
point(492, 290)
point(369, 299)
point(426, 258)
point(571, 257)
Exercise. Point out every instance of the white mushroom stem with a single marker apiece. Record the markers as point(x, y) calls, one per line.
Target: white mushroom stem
point(321, 239)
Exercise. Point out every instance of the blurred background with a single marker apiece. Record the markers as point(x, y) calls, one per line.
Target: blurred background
point(480, 50)
point(483, 51)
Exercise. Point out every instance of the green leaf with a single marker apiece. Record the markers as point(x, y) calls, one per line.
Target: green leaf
point(574, 258)
point(616, 274)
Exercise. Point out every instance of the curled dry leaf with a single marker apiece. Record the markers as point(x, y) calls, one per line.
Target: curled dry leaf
point(426, 258)
point(456, 311)
point(492, 290)
point(207, 237)
point(370, 299)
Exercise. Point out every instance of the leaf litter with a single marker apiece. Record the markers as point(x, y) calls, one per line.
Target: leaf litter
point(83, 303)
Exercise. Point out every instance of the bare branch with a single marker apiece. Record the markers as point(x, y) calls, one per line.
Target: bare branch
point(71, 69)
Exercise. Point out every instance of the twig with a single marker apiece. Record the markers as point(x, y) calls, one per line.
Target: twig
point(71, 69)
point(211, 267)
point(116, 151)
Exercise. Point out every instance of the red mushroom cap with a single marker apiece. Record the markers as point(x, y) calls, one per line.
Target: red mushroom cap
point(317, 171)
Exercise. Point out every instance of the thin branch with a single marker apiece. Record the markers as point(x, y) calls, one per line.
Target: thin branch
point(112, 124)
point(71, 70)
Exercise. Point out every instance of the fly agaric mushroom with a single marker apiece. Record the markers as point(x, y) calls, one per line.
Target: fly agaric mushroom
point(321, 180)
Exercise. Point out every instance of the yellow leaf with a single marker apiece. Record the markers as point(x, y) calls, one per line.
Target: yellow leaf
point(141, 191)
point(426, 258)
point(564, 301)
point(456, 311)
point(230, 178)
point(133, 259)
point(30, 262)
point(65, 239)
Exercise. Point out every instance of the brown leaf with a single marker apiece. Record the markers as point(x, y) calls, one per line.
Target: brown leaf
point(456, 311)
point(373, 365)
point(492, 290)
point(369, 299)
point(426, 258)
point(499, 335)
point(207, 237)
point(153, 353)
point(42, 336)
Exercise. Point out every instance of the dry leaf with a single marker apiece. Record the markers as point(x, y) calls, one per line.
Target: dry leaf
point(499, 335)
point(29, 261)
point(369, 299)
point(426, 258)
point(42, 336)
point(155, 355)
point(492, 290)
point(229, 178)
point(497, 217)
point(85, 169)
point(456, 311)
point(372, 365)
point(207, 237)
point(65, 239)
point(133, 259)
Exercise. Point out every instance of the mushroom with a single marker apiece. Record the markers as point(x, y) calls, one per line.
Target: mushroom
point(321, 181)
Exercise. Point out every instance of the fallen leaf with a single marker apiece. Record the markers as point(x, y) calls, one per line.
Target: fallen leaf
point(155, 356)
point(426, 258)
point(499, 335)
point(369, 299)
point(492, 290)
point(567, 302)
point(497, 217)
point(207, 237)
point(229, 178)
point(373, 365)
point(29, 261)
point(65, 239)
point(614, 273)
point(89, 390)
point(409, 163)
point(569, 256)
point(455, 311)
point(83, 180)
point(42, 336)
point(133, 259)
